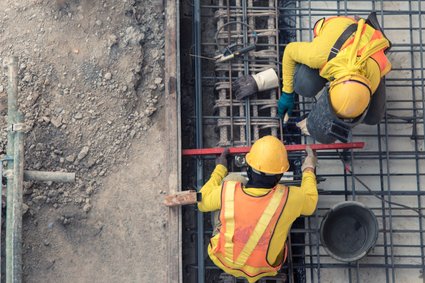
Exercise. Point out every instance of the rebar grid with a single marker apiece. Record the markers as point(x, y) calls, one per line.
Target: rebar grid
point(392, 164)
point(264, 22)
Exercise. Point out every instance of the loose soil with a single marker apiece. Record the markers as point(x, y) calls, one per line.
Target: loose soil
point(90, 88)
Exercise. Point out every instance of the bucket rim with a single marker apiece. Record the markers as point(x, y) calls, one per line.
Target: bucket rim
point(337, 207)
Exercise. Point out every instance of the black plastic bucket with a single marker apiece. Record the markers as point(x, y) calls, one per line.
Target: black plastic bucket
point(349, 231)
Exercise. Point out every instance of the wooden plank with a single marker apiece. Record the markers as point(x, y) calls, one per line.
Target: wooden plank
point(181, 198)
point(173, 130)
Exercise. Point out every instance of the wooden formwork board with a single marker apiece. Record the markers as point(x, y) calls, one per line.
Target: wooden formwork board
point(172, 109)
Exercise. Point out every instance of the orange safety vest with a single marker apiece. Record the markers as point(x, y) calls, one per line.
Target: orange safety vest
point(368, 36)
point(247, 226)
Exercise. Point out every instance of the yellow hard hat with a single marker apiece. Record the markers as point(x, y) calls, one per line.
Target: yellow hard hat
point(268, 155)
point(350, 96)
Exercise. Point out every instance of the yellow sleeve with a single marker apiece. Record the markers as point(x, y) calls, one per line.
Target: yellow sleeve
point(211, 191)
point(307, 53)
point(309, 187)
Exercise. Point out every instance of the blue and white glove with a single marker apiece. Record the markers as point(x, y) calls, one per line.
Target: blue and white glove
point(285, 104)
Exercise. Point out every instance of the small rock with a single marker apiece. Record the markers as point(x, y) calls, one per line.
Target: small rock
point(108, 76)
point(1, 88)
point(133, 36)
point(65, 220)
point(87, 207)
point(27, 78)
point(24, 208)
point(39, 147)
point(158, 81)
point(155, 54)
point(70, 158)
point(91, 162)
point(52, 193)
point(78, 116)
point(132, 133)
point(28, 185)
point(57, 122)
point(112, 39)
point(46, 242)
point(99, 22)
point(89, 190)
point(83, 153)
point(39, 199)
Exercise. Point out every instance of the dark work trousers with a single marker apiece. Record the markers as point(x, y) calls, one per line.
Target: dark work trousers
point(308, 83)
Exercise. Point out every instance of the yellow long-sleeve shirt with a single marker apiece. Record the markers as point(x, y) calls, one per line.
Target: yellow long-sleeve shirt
point(315, 54)
point(301, 201)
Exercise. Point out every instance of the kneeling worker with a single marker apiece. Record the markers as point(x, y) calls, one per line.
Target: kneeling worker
point(347, 60)
point(255, 219)
point(349, 54)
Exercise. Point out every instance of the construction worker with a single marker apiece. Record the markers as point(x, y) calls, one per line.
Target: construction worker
point(254, 219)
point(348, 53)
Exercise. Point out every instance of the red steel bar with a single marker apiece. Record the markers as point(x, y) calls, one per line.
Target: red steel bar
point(295, 147)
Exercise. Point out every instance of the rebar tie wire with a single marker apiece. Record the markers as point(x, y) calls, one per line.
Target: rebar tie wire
point(347, 168)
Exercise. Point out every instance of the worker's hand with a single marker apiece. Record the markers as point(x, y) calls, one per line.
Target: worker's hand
point(222, 159)
point(310, 161)
point(251, 84)
point(303, 127)
point(244, 87)
point(285, 104)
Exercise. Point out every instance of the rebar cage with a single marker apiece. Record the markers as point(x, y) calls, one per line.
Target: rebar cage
point(392, 163)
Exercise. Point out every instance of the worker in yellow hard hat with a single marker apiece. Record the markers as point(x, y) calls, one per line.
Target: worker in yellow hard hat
point(349, 54)
point(255, 215)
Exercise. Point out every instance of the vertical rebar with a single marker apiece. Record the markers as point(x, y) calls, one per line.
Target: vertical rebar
point(384, 224)
point(246, 72)
point(418, 179)
point(199, 133)
point(15, 180)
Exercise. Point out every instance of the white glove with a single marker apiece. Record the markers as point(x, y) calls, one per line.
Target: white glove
point(248, 85)
point(311, 159)
point(303, 127)
point(266, 79)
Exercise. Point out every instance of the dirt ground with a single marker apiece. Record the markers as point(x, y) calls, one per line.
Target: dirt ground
point(91, 86)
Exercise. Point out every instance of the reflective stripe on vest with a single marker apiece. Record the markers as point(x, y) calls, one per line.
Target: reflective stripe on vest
point(370, 44)
point(271, 206)
point(229, 208)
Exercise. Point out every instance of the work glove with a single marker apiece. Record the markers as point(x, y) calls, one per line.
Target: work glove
point(303, 127)
point(285, 104)
point(311, 159)
point(248, 85)
point(222, 159)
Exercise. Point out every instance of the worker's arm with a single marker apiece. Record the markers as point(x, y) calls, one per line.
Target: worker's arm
point(211, 191)
point(305, 53)
point(309, 188)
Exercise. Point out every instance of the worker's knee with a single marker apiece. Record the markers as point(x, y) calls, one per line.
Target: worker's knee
point(307, 81)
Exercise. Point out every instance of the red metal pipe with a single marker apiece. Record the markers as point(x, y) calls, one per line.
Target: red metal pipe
point(295, 147)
